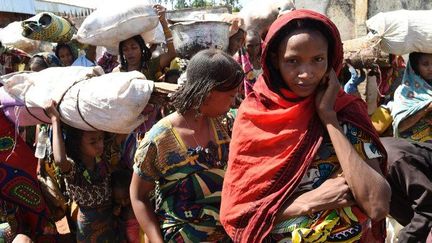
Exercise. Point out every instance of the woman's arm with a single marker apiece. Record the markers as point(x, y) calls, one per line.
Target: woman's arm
point(333, 193)
point(368, 186)
point(166, 58)
point(58, 146)
point(144, 212)
point(413, 119)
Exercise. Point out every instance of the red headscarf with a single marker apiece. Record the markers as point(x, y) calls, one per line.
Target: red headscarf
point(274, 142)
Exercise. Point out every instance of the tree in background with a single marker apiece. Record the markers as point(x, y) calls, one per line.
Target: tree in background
point(180, 4)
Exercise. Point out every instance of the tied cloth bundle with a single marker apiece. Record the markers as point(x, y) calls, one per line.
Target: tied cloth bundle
point(237, 23)
point(48, 27)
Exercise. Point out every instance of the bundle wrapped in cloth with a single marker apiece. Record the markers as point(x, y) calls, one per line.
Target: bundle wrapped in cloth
point(48, 27)
point(259, 15)
point(402, 32)
point(361, 53)
point(11, 36)
point(87, 99)
point(116, 22)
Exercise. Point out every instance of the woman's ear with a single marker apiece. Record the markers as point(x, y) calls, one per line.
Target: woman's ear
point(274, 60)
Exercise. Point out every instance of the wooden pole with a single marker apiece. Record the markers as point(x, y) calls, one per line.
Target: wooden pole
point(361, 11)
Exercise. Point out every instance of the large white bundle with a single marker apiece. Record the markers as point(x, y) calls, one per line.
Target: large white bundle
point(259, 15)
point(11, 36)
point(87, 99)
point(403, 31)
point(37, 88)
point(112, 102)
point(113, 23)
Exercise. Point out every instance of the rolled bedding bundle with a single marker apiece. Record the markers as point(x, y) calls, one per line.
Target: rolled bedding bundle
point(87, 99)
point(47, 26)
point(361, 53)
point(11, 36)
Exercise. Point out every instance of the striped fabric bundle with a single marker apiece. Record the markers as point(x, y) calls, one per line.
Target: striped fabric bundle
point(48, 27)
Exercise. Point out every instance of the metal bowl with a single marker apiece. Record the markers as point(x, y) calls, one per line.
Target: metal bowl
point(192, 37)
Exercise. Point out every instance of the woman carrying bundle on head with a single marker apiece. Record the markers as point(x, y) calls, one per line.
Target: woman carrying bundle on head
point(135, 55)
point(301, 148)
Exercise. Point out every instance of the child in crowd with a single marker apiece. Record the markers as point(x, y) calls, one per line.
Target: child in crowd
point(127, 223)
point(412, 107)
point(88, 179)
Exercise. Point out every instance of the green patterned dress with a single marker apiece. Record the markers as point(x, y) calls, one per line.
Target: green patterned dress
point(188, 182)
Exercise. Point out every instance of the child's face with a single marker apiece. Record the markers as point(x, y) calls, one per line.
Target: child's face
point(65, 56)
point(236, 42)
point(425, 67)
point(121, 196)
point(302, 60)
point(253, 45)
point(92, 143)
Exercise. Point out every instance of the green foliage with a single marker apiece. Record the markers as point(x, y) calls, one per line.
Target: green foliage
point(180, 4)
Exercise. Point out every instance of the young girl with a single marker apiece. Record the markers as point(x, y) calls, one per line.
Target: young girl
point(412, 107)
point(305, 162)
point(128, 225)
point(66, 54)
point(183, 157)
point(88, 179)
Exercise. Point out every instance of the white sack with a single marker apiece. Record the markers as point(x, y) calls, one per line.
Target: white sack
point(11, 36)
point(402, 32)
point(37, 88)
point(112, 102)
point(259, 15)
point(113, 23)
point(87, 98)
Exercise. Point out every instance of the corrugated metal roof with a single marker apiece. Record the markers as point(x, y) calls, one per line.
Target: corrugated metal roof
point(18, 6)
point(76, 3)
point(60, 8)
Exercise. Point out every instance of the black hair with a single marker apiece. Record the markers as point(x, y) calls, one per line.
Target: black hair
point(63, 45)
point(172, 73)
point(298, 24)
point(145, 53)
point(208, 70)
point(38, 60)
point(73, 142)
point(121, 178)
point(414, 59)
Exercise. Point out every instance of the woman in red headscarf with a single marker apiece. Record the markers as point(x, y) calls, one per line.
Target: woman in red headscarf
point(305, 163)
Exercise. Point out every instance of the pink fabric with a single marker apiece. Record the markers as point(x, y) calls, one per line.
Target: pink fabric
point(132, 231)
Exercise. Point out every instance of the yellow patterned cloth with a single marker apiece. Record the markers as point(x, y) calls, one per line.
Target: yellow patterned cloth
point(48, 27)
point(337, 225)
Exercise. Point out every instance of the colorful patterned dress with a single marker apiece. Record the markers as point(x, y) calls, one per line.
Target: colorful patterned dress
point(421, 131)
point(188, 182)
point(339, 225)
point(91, 190)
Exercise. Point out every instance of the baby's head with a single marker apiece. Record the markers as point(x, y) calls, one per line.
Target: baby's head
point(120, 182)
